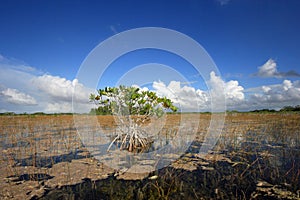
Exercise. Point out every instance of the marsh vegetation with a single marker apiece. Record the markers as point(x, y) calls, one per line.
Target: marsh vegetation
point(257, 156)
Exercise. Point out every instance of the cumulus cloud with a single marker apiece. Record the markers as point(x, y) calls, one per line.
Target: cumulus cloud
point(22, 85)
point(234, 93)
point(267, 96)
point(16, 97)
point(142, 89)
point(287, 91)
point(58, 107)
point(61, 89)
point(24, 89)
point(191, 99)
point(275, 96)
point(269, 69)
point(186, 97)
point(231, 91)
point(62, 93)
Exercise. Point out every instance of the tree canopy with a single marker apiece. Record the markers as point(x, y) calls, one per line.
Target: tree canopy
point(124, 100)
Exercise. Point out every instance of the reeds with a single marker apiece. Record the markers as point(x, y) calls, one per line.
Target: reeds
point(256, 147)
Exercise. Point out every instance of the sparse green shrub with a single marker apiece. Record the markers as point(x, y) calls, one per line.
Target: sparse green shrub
point(133, 108)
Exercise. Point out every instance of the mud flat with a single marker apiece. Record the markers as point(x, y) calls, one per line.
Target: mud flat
point(257, 156)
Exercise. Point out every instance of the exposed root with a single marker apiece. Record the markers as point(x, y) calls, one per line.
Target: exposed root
point(131, 138)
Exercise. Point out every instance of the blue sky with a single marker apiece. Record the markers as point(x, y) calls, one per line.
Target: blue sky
point(254, 44)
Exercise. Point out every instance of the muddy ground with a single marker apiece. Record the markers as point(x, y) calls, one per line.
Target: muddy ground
point(257, 156)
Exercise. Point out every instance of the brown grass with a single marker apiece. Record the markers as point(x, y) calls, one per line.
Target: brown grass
point(38, 145)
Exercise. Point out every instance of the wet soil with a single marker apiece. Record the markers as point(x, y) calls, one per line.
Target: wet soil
point(256, 157)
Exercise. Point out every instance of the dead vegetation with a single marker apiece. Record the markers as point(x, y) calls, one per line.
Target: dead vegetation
point(257, 156)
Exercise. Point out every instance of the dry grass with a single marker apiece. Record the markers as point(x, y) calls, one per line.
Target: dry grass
point(46, 150)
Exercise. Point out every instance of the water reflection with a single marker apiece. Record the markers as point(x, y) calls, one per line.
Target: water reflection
point(250, 160)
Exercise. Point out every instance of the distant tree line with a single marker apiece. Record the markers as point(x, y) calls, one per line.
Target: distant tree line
point(264, 111)
point(290, 108)
point(284, 109)
point(106, 110)
point(33, 114)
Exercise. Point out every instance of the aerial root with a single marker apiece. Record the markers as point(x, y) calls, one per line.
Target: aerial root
point(131, 141)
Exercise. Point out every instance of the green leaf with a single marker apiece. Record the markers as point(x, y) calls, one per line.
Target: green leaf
point(130, 100)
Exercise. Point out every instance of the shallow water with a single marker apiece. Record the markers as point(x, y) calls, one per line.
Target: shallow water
point(254, 157)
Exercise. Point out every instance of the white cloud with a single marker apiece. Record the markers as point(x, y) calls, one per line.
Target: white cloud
point(265, 89)
point(231, 91)
point(190, 98)
point(217, 92)
point(276, 96)
point(287, 84)
point(296, 84)
point(61, 89)
point(58, 107)
point(142, 89)
point(45, 93)
point(16, 97)
point(269, 69)
point(267, 96)
point(23, 89)
point(234, 92)
point(61, 93)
